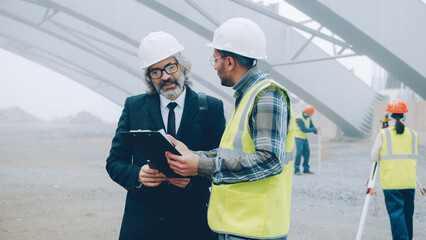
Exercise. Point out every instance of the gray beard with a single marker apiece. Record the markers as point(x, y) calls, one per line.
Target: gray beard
point(171, 92)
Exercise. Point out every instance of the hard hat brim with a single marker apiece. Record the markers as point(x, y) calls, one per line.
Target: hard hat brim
point(236, 52)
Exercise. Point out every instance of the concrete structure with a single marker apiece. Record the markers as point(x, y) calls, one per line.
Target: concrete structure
point(391, 33)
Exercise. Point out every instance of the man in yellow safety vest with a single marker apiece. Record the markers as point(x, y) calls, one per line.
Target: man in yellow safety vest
point(252, 169)
point(304, 125)
point(396, 148)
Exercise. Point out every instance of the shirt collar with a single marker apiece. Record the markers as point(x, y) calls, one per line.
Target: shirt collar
point(250, 78)
point(180, 100)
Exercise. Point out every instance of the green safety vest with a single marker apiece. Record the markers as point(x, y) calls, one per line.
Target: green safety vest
point(259, 209)
point(398, 159)
point(307, 122)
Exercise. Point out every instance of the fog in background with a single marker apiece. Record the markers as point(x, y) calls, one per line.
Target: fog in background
point(52, 174)
point(47, 94)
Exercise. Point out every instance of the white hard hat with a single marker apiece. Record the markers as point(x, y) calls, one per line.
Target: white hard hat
point(241, 36)
point(157, 46)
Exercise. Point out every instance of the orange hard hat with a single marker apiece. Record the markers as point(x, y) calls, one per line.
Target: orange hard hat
point(309, 109)
point(397, 106)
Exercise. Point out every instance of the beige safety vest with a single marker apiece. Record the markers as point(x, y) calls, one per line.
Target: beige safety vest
point(398, 159)
point(307, 122)
point(259, 209)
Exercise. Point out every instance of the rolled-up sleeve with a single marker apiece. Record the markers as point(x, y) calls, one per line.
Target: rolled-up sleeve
point(268, 127)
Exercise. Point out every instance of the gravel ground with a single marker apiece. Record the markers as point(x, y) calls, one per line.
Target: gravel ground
point(328, 204)
point(53, 185)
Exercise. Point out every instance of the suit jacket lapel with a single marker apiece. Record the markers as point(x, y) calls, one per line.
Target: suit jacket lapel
point(155, 112)
point(189, 112)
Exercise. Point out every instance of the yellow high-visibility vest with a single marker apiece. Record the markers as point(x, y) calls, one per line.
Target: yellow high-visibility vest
point(307, 122)
point(259, 209)
point(398, 159)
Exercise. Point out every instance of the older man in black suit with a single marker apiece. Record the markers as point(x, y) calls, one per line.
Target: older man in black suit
point(158, 207)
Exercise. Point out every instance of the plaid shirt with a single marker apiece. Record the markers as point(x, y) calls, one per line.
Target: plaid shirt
point(267, 127)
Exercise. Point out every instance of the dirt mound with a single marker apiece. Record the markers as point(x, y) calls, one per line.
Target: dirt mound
point(82, 117)
point(16, 115)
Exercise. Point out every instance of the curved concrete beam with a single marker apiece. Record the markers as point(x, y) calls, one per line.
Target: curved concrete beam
point(96, 49)
point(392, 33)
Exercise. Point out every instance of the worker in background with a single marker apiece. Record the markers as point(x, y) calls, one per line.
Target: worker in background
point(303, 127)
point(396, 148)
point(158, 207)
point(252, 168)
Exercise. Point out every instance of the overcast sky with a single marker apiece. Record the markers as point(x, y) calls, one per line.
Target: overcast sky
point(47, 94)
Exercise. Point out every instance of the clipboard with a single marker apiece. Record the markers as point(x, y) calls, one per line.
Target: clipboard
point(153, 145)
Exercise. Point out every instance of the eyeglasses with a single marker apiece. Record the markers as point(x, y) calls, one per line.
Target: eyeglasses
point(213, 59)
point(158, 72)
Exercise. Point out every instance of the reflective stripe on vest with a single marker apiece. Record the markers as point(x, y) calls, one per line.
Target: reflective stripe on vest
point(398, 159)
point(259, 209)
point(307, 122)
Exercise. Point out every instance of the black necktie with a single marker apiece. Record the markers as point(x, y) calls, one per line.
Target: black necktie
point(171, 122)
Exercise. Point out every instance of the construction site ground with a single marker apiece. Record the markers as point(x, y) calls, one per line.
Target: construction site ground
point(53, 185)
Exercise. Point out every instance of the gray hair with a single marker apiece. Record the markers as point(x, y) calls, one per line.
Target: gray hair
point(184, 63)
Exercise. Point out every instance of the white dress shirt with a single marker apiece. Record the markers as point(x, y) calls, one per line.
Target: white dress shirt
point(178, 109)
